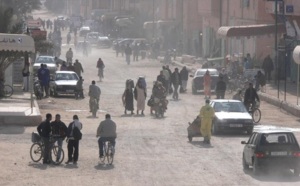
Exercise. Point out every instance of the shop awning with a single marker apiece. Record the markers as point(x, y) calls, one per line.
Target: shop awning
point(16, 42)
point(250, 30)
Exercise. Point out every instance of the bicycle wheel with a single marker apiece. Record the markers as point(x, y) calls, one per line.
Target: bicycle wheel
point(110, 154)
point(256, 115)
point(57, 155)
point(102, 159)
point(8, 90)
point(36, 152)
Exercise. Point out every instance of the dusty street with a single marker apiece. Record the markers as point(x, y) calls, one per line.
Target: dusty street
point(149, 151)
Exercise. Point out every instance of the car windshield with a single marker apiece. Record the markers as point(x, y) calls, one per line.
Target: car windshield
point(62, 76)
point(46, 60)
point(211, 72)
point(229, 107)
point(276, 138)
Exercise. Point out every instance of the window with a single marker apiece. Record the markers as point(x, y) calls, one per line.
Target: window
point(251, 138)
point(245, 3)
point(276, 138)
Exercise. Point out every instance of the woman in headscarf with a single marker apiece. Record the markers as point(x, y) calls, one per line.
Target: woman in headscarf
point(140, 94)
point(127, 97)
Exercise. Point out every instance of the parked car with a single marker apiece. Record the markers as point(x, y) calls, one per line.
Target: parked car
point(271, 148)
point(123, 42)
point(93, 37)
point(197, 82)
point(48, 60)
point(63, 82)
point(231, 115)
point(83, 31)
point(79, 47)
point(104, 42)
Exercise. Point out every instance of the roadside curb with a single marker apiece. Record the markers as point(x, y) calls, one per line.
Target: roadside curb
point(290, 108)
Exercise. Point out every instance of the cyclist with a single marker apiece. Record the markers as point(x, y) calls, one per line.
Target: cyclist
point(250, 97)
point(94, 93)
point(107, 132)
point(44, 130)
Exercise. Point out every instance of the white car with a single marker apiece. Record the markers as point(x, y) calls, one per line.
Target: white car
point(64, 82)
point(83, 31)
point(47, 60)
point(231, 115)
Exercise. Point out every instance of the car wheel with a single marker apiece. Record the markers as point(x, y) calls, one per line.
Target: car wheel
point(55, 93)
point(296, 172)
point(214, 129)
point(256, 170)
point(194, 91)
point(245, 165)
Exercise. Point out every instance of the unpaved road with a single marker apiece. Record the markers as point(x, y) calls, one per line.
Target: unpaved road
point(149, 151)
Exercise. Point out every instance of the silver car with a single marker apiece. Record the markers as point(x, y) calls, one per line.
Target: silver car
point(47, 60)
point(64, 82)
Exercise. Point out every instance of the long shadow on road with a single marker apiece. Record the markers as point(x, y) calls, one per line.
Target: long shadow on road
point(104, 167)
point(200, 144)
point(276, 175)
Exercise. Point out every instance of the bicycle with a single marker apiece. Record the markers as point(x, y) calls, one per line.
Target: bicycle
point(94, 106)
point(56, 153)
point(109, 152)
point(8, 91)
point(255, 113)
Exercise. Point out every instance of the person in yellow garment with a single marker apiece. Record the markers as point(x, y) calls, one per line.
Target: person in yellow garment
point(207, 114)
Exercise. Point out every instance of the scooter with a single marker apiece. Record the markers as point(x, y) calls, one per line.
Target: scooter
point(38, 92)
point(159, 107)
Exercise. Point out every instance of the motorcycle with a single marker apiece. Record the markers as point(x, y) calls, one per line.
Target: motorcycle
point(38, 92)
point(159, 107)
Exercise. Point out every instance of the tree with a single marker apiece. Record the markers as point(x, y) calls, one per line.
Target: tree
point(22, 7)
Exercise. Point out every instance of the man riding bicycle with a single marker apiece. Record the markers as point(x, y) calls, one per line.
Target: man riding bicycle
point(107, 132)
point(250, 97)
point(94, 93)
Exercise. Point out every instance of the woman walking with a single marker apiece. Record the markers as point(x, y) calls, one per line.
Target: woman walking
point(100, 66)
point(127, 97)
point(140, 94)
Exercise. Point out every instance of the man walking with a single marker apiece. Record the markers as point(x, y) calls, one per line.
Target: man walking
point(176, 82)
point(184, 74)
point(94, 93)
point(69, 55)
point(44, 130)
point(207, 85)
point(59, 130)
point(268, 67)
point(107, 132)
point(44, 77)
point(220, 88)
point(73, 143)
point(207, 114)
point(78, 67)
point(128, 52)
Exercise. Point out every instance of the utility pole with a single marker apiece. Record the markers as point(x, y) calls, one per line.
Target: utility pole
point(153, 31)
point(276, 47)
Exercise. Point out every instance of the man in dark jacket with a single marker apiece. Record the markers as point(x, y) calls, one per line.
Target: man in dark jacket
point(44, 77)
point(176, 81)
point(59, 131)
point(221, 88)
point(250, 97)
point(268, 67)
point(184, 74)
point(44, 130)
point(161, 78)
point(128, 52)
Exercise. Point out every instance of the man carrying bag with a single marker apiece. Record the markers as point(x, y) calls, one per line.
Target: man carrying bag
point(74, 135)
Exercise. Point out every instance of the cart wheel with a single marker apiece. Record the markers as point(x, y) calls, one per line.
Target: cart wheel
point(190, 138)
